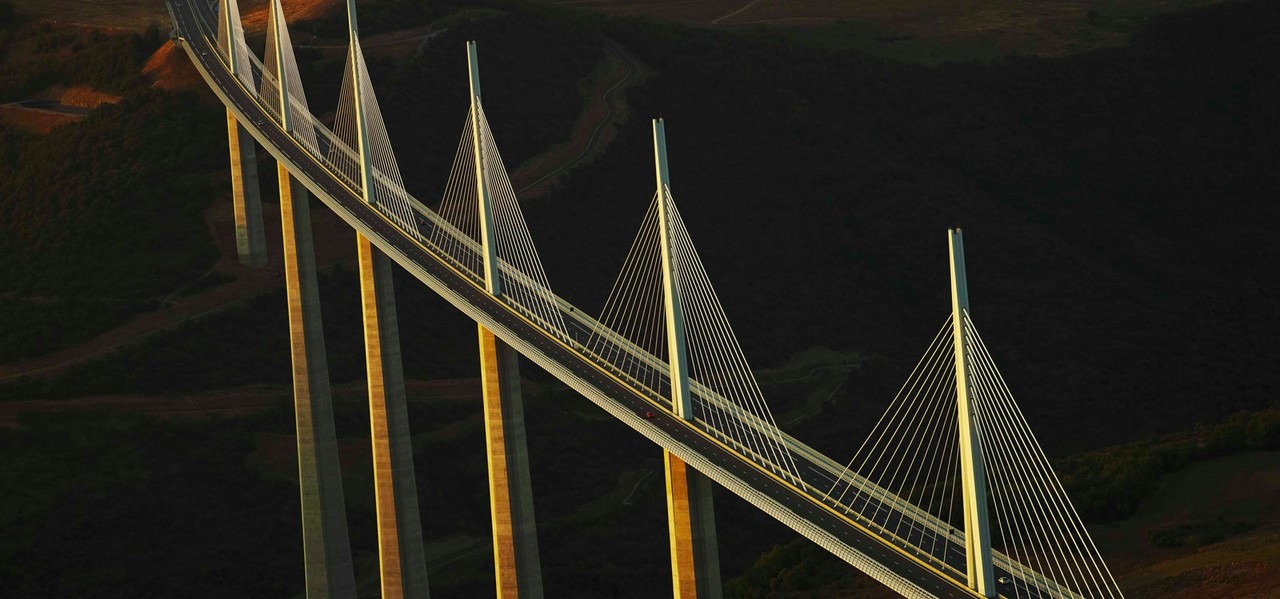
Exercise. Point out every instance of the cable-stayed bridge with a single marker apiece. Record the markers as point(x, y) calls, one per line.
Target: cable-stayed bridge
point(950, 496)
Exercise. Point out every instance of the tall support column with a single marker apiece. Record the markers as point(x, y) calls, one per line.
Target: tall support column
point(325, 541)
point(246, 201)
point(517, 564)
point(326, 546)
point(972, 469)
point(400, 552)
point(251, 242)
point(695, 556)
point(516, 561)
point(691, 524)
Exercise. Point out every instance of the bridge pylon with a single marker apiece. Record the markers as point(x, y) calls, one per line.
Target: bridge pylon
point(246, 200)
point(325, 539)
point(981, 576)
point(516, 561)
point(401, 557)
point(691, 523)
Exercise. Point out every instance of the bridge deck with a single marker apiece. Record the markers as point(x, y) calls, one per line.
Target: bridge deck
point(862, 541)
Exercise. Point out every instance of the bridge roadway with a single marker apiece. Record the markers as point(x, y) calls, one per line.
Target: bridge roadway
point(507, 323)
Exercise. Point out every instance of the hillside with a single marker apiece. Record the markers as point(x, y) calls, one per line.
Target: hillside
point(1116, 203)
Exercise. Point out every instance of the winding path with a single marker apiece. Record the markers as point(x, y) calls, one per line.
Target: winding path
point(596, 117)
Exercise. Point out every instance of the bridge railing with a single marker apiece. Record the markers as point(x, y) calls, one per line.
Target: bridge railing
point(464, 254)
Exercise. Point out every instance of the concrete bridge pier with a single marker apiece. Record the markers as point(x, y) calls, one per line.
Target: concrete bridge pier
point(325, 541)
point(517, 565)
point(691, 523)
point(251, 243)
point(691, 520)
point(400, 551)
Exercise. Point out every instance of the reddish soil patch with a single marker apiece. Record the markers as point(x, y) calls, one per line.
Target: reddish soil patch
point(84, 96)
point(169, 68)
point(254, 15)
point(34, 120)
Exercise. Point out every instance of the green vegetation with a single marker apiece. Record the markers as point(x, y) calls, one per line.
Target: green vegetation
point(1117, 203)
point(33, 328)
point(809, 381)
point(101, 218)
point(1198, 533)
point(1109, 484)
point(796, 569)
point(248, 344)
point(107, 211)
point(40, 54)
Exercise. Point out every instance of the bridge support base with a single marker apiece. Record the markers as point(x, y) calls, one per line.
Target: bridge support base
point(251, 243)
point(400, 551)
point(517, 566)
point(326, 546)
point(691, 522)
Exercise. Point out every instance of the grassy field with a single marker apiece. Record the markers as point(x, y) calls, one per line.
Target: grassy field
point(1242, 489)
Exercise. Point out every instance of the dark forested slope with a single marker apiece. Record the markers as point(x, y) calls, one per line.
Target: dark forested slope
point(1117, 208)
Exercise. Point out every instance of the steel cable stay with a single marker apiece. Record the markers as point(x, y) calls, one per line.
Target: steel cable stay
point(900, 442)
point(719, 334)
point(916, 432)
point(632, 309)
point(1006, 493)
point(458, 208)
point(344, 156)
point(1009, 480)
point(710, 355)
point(948, 486)
point(279, 49)
point(707, 360)
point(390, 198)
point(907, 452)
point(231, 42)
point(1045, 504)
point(907, 466)
point(1007, 524)
point(518, 251)
point(543, 299)
point(1030, 520)
point(711, 362)
point(879, 441)
point(906, 385)
point(1067, 520)
point(925, 462)
point(705, 363)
